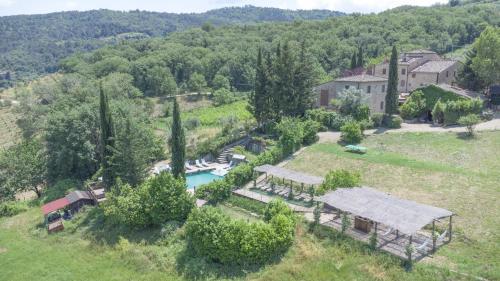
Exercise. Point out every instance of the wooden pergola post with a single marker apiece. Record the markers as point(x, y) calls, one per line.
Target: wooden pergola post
point(433, 236)
point(449, 229)
point(409, 244)
point(301, 187)
point(397, 234)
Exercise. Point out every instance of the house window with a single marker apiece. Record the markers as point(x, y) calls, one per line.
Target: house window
point(369, 89)
point(381, 105)
point(403, 83)
point(383, 88)
point(384, 71)
point(413, 75)
point(346, 87)
point(403, 71)
point(447, 73)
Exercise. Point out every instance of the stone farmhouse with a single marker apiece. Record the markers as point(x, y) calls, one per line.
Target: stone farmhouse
point(416, 69)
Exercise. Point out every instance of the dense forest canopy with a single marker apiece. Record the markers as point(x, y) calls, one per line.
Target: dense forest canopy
point(196, 57)
point(33, 44)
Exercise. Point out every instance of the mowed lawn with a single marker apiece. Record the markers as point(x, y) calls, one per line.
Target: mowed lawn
point(440, 169)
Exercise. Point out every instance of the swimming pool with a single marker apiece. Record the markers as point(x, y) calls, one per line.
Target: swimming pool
point(197, 179)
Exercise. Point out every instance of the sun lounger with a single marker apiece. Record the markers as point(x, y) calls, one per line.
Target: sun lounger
point(189, 167)
point(204, 163)
point(198, 164)
point(422, 248)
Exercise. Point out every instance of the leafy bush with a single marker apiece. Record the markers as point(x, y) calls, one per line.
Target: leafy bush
point(351, 133)
point(215, 191)
point(469, 121)
point(158, 200)
point(339, 179)
point(12, 208)
point(438, 112)
point(392, 122)
point(275, 208)
point(192, 123)
point(361, 113)
point(414, 107)
point(377, 119)
point(223, 96)
point(311, 129)
point(291, 132)
point(453, 110)
point(212, 234)
point(330, 119)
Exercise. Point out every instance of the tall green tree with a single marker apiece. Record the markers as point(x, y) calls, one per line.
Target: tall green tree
point(107, 137)
point(258, 105)
point(177, 143)
point(360, 61)
point(130, 156)
point(391, 99)
point(354, 62)
point(303, 83)
point(486, 63)
point(22, 168)
point(466, 75)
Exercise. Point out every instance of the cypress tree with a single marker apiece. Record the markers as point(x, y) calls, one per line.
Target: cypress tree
point(258, 104)
point(177, 143)
point(303, 83)
point(354, 62)
point(391, 99)
point(129, 160)
point(360, 62)
point(107, 137)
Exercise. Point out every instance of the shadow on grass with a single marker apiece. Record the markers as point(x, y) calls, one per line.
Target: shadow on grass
point(465, 136)
point(102, 231)
point(194, 267)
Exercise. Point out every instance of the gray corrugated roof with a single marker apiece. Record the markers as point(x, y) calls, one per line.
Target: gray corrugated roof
point(403, 215)
point(361, 78)
point(434, 66)
point(78, 195)
point(288, 174)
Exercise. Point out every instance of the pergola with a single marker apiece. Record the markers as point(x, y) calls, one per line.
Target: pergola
point(289, 175)
point(404, 216)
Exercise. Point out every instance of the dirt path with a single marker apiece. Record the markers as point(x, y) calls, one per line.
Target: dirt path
point(493, 125)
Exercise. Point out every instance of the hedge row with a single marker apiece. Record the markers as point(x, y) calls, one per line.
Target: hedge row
point(212, 234)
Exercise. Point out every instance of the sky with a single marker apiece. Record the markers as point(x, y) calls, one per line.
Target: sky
point(16, 7)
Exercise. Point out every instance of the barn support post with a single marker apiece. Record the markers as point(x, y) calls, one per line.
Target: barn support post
point(433, 236)
point(410, 252)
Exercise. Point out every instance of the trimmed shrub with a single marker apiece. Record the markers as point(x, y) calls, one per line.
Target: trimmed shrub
point(330, 119)
point(351, 133)
point(392, 122)
point(212, 234)
point(377, 119)
point(223, 96)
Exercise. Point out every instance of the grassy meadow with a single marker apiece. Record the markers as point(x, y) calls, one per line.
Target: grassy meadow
point(444, 170)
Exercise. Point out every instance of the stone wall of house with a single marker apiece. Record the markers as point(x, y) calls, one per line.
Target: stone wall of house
point(449, 75)
point(377, 92)
point(421, 79)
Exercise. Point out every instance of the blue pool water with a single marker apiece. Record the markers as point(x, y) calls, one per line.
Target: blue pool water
point(197, 179)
